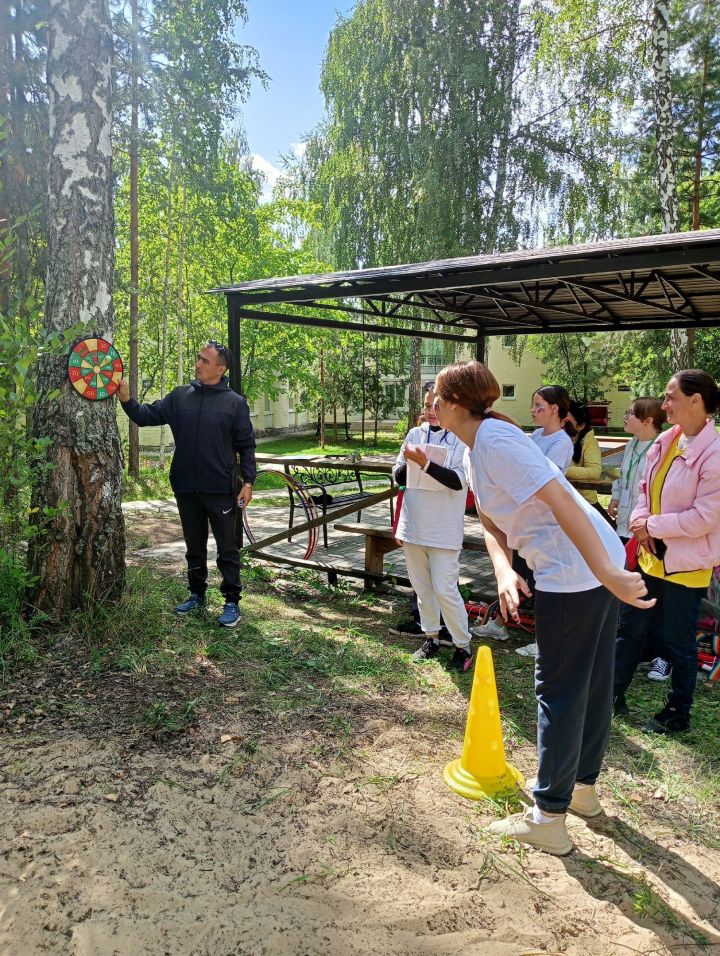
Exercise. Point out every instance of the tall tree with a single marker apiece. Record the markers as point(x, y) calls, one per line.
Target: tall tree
point(133, 430)
point(80, 556)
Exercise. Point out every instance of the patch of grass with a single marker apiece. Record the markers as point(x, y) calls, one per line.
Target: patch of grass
point(321, 875)
point(648, 904)
point(387, 444)
point(502, 804)
point(167, 718)
point(153, 484)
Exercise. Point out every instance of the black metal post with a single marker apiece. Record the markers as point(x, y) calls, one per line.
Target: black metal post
point(480, 347)
point(233, 339)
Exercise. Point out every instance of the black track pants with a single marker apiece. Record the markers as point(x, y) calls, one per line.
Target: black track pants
point(197, 512)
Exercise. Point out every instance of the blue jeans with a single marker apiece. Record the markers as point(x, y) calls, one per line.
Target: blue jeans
point(575, 634)
point(674, 620)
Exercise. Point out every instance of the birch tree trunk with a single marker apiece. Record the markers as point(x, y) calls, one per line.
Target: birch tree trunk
point(133, 430)
point(180, 301)
point(667, 178)
point(662, 94)
point(80, 556)
point(415, 396)
point(166, 297)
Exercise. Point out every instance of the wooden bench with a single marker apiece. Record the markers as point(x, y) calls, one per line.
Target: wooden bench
point(381, 541)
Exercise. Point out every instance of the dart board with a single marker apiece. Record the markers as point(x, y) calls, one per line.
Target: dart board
point(95, 369)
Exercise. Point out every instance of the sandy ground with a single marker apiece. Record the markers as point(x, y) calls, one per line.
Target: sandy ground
point(241, 835)
point(110, 850)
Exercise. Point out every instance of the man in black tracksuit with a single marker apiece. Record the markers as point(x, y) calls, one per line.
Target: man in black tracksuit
point(210, 423)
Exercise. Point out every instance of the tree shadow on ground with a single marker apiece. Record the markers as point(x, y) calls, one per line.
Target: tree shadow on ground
point(637, 899)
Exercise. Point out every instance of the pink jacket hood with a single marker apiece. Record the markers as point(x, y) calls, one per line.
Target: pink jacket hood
point(689, 522)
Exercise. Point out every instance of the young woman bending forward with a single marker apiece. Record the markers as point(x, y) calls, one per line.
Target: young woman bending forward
point(525, 503)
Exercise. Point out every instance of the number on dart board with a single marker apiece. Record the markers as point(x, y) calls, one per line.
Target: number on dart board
point(95, 369)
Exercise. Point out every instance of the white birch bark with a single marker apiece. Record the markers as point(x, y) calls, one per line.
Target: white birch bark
point(667, 178)
point(79, 557)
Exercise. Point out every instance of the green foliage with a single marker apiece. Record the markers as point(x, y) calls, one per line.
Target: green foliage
point(581, 362)
point(14, 630)
point(22, 456)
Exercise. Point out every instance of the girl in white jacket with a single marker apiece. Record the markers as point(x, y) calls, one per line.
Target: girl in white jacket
point(430, 529)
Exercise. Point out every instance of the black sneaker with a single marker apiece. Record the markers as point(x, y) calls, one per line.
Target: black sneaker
point(620, 707)
point(660, 669)
point(461, 660)
point(409, 628)
point(429, 650)
point(668, 721)
point(445, 637)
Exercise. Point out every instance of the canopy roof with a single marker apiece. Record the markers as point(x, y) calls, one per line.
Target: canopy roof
point(667, 281)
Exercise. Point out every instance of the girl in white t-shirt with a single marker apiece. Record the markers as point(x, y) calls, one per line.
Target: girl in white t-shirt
point(525, 503)
point(430, 529)
point(549, 409)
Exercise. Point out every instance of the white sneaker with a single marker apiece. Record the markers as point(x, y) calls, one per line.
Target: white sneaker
point(492, 629)
point(584, 801)
point(548, 837)
point(660, 669)
point(530, 650)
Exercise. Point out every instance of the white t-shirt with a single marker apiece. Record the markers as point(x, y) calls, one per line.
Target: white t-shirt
point(505, 468)
point(558, 447)
point(434, 518)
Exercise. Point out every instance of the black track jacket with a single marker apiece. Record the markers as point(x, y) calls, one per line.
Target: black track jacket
point(209, 424)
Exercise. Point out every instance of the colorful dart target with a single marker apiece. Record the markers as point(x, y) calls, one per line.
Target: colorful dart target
point(95, 369)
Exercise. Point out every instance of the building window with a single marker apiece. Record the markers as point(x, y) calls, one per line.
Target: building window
point(508, 342)
point(431, 355)
point(623, 388)
point(268, 407)
point(395, 395)
point(508, 391)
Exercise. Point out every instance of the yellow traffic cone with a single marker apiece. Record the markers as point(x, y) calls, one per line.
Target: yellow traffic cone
point(482, 770)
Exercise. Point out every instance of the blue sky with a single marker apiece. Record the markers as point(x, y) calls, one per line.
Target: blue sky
point(290, 37)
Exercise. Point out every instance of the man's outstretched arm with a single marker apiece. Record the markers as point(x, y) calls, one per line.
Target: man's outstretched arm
point(155, 414)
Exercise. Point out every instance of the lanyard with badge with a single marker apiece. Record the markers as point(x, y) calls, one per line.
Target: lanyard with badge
point(636, 456)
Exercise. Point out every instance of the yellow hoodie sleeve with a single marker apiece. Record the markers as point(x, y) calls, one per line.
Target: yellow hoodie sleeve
point(590, 464)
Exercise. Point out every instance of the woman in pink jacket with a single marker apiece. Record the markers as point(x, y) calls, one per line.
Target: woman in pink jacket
point(677, 524)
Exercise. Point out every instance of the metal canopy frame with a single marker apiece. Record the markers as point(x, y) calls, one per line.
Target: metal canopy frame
point(652, 282)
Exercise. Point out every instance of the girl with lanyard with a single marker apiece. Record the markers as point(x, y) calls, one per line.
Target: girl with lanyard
point(430, 530)
point(644, 421)
point(524, 502)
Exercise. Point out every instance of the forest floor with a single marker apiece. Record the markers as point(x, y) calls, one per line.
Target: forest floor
point(170, 787)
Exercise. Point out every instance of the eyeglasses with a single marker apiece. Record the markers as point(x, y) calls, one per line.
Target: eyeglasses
point(629, 413)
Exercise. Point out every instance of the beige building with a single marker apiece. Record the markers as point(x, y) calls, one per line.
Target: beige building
point(518, 382)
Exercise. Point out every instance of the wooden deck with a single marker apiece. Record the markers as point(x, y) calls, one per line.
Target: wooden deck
point(345, 551)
